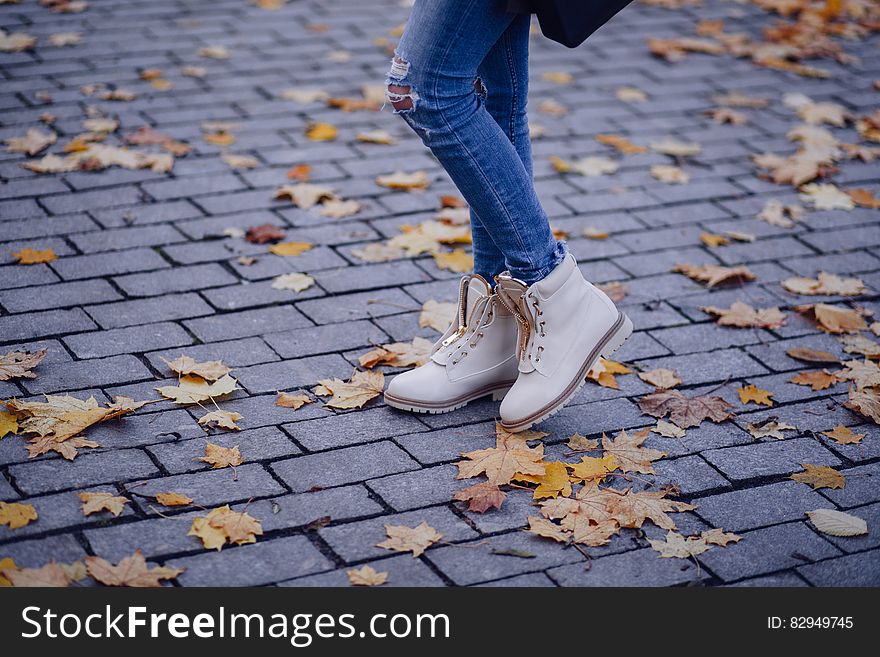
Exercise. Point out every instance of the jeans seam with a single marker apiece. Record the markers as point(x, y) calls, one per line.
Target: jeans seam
point(513, 85)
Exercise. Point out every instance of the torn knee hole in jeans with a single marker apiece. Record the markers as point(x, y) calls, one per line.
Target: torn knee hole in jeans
point(400, 94)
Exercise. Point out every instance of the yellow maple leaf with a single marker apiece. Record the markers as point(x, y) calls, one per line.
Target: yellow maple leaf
point(287, 400)
point(321, 132)
point(30, 256)
point(819, 476)
point(8, 423)
point(458, 260)
point(173, 499)
point(290, 248)
point(102, 501)
point(221, 457)
point(16, 515)
point(193, 389)
point(361, 388)
point(593, 469)
point(366, 576)
point(844, 435)
point(554, 482)
point(510, 457)
point(752, 393)
point(223, 524)
point(410, 539)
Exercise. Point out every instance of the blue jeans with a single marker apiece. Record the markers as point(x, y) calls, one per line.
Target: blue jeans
point(460, 79)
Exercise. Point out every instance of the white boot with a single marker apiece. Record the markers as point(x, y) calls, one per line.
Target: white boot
point(565, 325)
point(474, 358)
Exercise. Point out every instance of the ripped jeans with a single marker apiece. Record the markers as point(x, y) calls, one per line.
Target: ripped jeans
point(460, 79)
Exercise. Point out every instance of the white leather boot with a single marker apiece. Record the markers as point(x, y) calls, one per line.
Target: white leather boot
point(565, 325)
point(474, 358)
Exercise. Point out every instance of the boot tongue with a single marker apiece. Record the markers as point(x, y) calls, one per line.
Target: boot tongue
point(512, 291)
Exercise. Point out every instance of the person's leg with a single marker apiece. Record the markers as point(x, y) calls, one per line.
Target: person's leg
point(503, 84)
point(433, 85)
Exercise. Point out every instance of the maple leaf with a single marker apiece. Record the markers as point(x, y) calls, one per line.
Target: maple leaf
point(752, 393)
point(742, 315)
point(554, 482)
point(375, 137)
point(287, 400)
point(337, 208)
point(405, 181)
point(410, 539)
point(603, 373)
point(864, 198)
point(173, 499)
point(548, 529)
point(833, 319)
point(865, 401)
point(683, 411)
point(661, 378)
point(210, 370)
point(457, 260)
point(304, 195)
point(223, 419)
point(510, 456)
point(593, 469)
point(621, 144)
point(865, 374)
point(579, 443)
point(15, 515)
point(586, 166)
point(32, 143)
point(713, 275)
point(719, 537)
point(629, 454)
point(858, 344)
point(817, 379)
point(676, 148)
point(727, 116)
point(193, 389)
point(294, 281)
point(399, 354)
point(290, 248)
point(265, 233)
point(8, 424)
point(826, 197)
point(819, 476)
point(354, 393)
point(437, 315)
point(481, 497)
point(631, 95)
point(844, 435)
point(130, 571)
point(670, 174)
point(19, 364)
point(321, 132)
point(6, 563)
point(769, 428)
point(825, 283)
point(778, 214)
point(30, 256)
point(221, 457)
point(668, 430)
point(677, 546)
point(366, 576)
point(632, 509)
point(837, 523)
point(52, 575)
point(224, 525)
point(102, 501)
point(240, 161)
point(713, 240)
point(812, 355)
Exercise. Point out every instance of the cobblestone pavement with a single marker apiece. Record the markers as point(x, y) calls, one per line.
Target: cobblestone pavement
point(144, 271)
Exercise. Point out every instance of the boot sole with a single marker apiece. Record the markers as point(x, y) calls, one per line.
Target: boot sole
point(434, 408)
point(613, 340)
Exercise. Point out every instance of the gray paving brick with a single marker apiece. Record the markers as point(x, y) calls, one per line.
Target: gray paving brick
point(61, 295)
point(247, 323)
point(300, 509)
point(360, 305)
point(287, 374)
point(88, 373)
point(691, 474)
point(773, 457)
point(786, 578)
point(7, 492)
point(35, 553)
point(357, 540)
point(146, 429)
point(758, 507)
point(343, 466)
point(527, 580)
point(419, 488)
point(126, 238)
point(234, 353)
point(86, 470)
point(142, 311)
point(643, 567)
point(861, 486)
point(322, 339)
point(133, 339)
point(766, 550)
point(252, 565)
point(849, 571)
point(45, 323)
point(106, 264)
point(179, 279)
point(353, 428)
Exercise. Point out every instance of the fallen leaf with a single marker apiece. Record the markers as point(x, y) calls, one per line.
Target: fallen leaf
point(102, 501)
point(338, 209)
point(405, 181)
point(859, 344)
point(676, 148)
point(287, 400)
point(213, 52)
point(661, 378)
point(719, 537)
point(592, 469)
point(837, 523)
point(548, 529)
point(683, 411)
point(19, 364)
point(15, 515)
point(221, 138)
point(819, 476)
point(33, 141)
point(677, 546)
point(629, 454)
point(742, 315)
point(304, 195)
point(366, 576)
point(457, 260)
point(621, 144)
point(321, 132)
point(603, 372)
point(631, 95)
point(375, 137)
point(865, 374)
point(727, 116)
point(222, 419)
point(579, 443)
point(833, 319)
point(670, 174)
point(825, 283)
point(210, 370)
point(361, 388)
point(668, 430)
point(559, 77)
point(131, 571)
point(844, 435)
point(410, 539)
point(714, 240)
point(437, 315)
point(290, 248)
point(631, 509)
point(264, 233)
point(8, 424)
point(193, 389)
point(301, 172)
point(826, 197)
point(240, 161)
point(553, 482)
point(864, 198)
point(481, 497)
point(173, 499)
point(812, 355)
point(713, 275)
point(16, 41)
point(817, 379)
point(586, 166)
point(51, 575)
point(778, 214)
point(752, 393)
point(769, 428)
point(510, 456)
point(30, 256)
point(399, 354)
point(221, 457)
point(224, 525)
point(294, 281)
